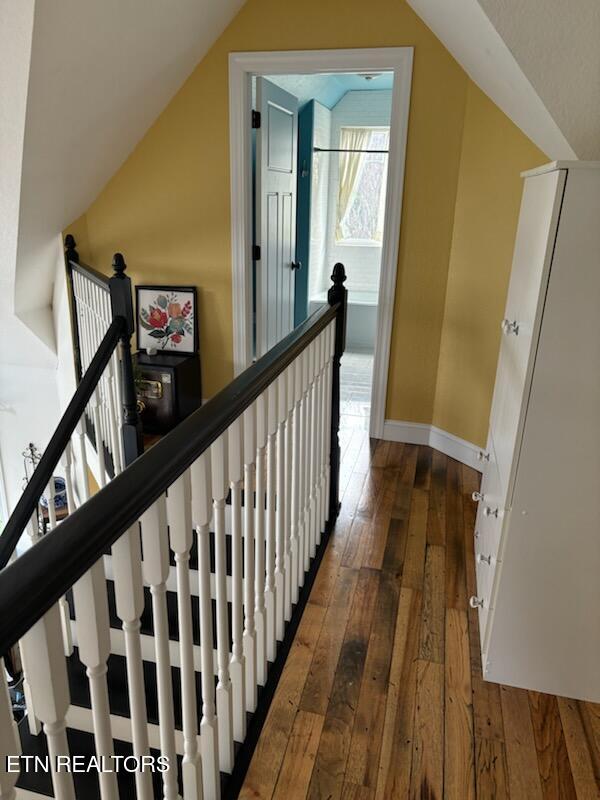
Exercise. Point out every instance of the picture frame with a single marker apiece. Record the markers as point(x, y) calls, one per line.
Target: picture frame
point(166, 319)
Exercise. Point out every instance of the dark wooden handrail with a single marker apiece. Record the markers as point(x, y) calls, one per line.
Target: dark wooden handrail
point(28, 501)
point(48, 570)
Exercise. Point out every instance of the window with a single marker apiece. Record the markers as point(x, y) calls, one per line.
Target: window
point(362, 185)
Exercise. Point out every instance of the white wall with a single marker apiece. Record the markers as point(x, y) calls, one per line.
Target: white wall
point(362, 263)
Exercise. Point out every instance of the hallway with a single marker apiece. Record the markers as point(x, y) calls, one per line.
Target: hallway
point(382, 695)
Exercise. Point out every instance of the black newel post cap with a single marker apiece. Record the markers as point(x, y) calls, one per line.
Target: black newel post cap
point(119, 265)
point(338, 276)
point(71, 253)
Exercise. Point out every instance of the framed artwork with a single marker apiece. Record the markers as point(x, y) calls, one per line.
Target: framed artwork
point(166, 319)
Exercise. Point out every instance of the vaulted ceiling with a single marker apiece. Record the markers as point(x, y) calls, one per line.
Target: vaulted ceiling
point(539, 61)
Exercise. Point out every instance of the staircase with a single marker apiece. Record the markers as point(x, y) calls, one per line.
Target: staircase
point(154, 621)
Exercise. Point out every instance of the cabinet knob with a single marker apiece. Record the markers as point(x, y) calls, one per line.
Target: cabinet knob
point(490, 512)
point(476, 602)
point(477, 497)
point(510, 326)
point(481, 559)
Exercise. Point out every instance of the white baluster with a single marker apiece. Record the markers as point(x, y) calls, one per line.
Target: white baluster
point(209, 727)
point(129, 596)
point(83, 483)
point(280, 508)
point(218, 458)
point(47, 671)
point(270, 550)
point(237, 666)
point(260, 621)
point(330, 351)
point(306, 462)
point(155, 568)
point(249, 636)
point(319, 450)
point(10, 746)
point(62, 603)
point(287, 558)
point(297, 476)
point(313, 448)
point(95, 407)
point(93, 640)
point(179, 515)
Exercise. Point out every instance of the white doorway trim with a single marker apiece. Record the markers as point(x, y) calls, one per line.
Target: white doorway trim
point(244, 66)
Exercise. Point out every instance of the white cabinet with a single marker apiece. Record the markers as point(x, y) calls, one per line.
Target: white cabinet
point(537, 536)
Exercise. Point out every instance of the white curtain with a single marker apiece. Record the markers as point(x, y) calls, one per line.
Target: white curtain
point(350, 139)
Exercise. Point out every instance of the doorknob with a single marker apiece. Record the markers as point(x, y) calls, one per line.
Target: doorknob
point(296, 265)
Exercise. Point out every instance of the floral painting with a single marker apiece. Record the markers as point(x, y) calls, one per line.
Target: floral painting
point(167, 318)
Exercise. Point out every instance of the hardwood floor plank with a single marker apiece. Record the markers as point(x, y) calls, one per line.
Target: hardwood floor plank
point(395, 547)
point(414, 558)
point(404, 482)
point(491, 777)
point(351, 791)
point(553, 760)
point(299, 760)
point(583, 769)
point(393, 778)
point(423, 469)
point(436, 518)
point(590, 718)
point(434, 608)
point(363, 758)
point(427, 770)
point(321, 673)
point(456, 584)
point(380, 454)
point(332, 755)
point(459, 775)
point(262, 774)
point(521, 755)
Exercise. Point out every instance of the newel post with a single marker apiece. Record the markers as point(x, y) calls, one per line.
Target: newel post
point(72, 257)
point(122, 305)
point(336, 294)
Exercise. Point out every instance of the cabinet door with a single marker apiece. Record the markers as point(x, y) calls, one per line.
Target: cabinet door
point(536, 234)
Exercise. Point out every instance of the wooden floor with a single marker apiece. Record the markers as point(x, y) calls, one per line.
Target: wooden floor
point(382, 694)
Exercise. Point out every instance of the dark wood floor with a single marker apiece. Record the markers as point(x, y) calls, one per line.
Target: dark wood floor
point(382, 695)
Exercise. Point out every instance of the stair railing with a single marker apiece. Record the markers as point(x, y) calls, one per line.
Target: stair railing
point(257, 464)
point(104, 399)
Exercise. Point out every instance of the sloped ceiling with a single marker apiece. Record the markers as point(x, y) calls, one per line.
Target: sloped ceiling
point(101, 72)
point(539, 61)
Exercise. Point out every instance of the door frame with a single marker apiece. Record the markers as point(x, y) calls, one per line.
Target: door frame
point(242, 68)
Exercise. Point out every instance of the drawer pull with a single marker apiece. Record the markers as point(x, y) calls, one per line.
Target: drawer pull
point(483, 456)
point(481, 559)
point(510, 326)
point(477, 497)
point(476, 602)
point(490, 512)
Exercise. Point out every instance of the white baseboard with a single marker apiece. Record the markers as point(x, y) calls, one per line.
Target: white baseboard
point(420, 433)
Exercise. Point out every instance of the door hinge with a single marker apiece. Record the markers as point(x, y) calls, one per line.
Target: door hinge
point(255, 119)
point(256, 252)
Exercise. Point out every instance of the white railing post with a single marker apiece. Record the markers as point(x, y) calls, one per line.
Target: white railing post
point(92, 625)
point(62, 603)
point(10, 745)
point(47, 672)
point(297, 476)
point(129, 596)
point(312, 350)
point(287, 523)
point(280, 509)
point(249, 635)
point(209, 725)
point(305, 510)
point(270, 550)
point(179, 515)
point(218, 458)
point(237, 665)
point(155, 567)
point(260, 621)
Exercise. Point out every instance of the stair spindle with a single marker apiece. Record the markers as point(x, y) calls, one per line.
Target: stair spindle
point(249, 634)
point(297, 475)
point(155, 567)
point(305, 552)
point(218, 458)
point(271, 490)
point(179, 516)
point(280, 509)
point(259, 532)
point(10, 746)
point(312, 355)
point(209, 724)
point(288, 466)
point(237, 667)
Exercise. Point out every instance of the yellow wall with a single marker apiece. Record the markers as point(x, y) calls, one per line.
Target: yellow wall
point(168, 207)
point(494, 152)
